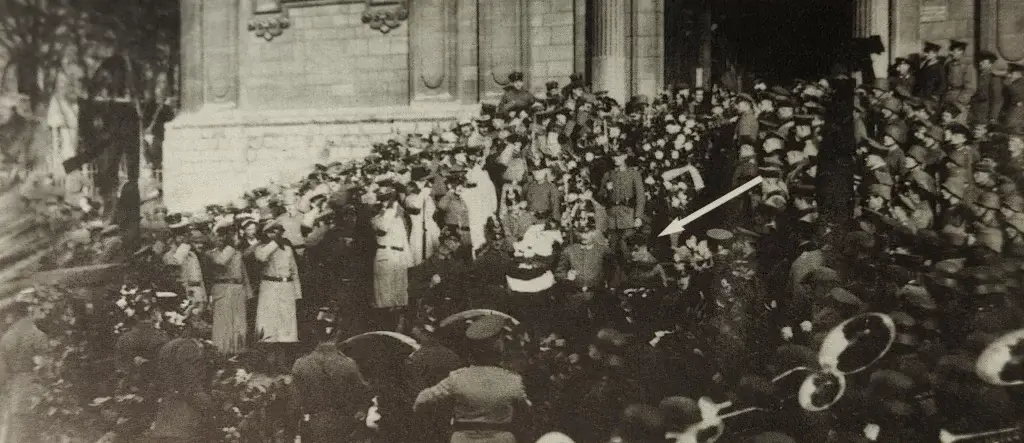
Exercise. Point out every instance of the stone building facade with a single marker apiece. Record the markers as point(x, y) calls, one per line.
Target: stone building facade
point(271, 87)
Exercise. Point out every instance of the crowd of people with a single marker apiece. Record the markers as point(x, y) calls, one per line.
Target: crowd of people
point(541, 219)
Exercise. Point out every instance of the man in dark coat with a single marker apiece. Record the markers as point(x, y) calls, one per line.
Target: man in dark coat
point(329, 389)
point(430, 364)
point(961, 79)
point(929, 81)
point(516, 96)
point(988, 99)
point(1013, 115)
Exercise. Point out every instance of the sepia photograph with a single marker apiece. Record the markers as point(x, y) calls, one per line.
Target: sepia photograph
point(511, 221)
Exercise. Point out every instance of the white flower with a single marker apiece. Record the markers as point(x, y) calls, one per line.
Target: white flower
point(649, 180)
point(122, 303)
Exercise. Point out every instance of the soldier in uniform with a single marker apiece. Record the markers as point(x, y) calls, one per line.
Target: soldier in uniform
point(486, 396)
point(185, 257)
point(961, 79)
point(988, 99)
point(747, 125)
point(1013, 114)
point(543, 198)
point(623, 188)
point(929, 79)
point(903, 80)
point(516, 97)
point(330, 392)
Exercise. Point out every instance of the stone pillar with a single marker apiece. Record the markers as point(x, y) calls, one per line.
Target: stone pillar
point(220, 41)
point(579, 36)
point(905, 38)
point(191, 55)
point(648, 47)
point(469, 63)
point(612, 62)
point(433, 49)
point(872, 18)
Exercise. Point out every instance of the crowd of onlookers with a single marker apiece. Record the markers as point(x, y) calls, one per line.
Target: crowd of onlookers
point(546, 208)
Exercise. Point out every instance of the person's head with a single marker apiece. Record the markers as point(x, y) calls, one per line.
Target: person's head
point(642, 424)
point(743, 105)
point(620, 160)
point(931, 50)
point(986, 59)
point(1015, 145)
point(1014, 71)
point(957, 49)
point(902, 66)
point(517, 81)
point(274, 231)
point(540, 175)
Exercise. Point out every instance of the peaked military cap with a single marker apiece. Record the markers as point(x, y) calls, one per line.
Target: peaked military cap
point(488, 326)
point(957, 44)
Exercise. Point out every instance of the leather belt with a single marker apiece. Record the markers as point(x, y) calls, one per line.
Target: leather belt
point(228, 281)
point(194, 284)
point(393, 248)
point(481, 426)
point(461, 228)
point(277, 279)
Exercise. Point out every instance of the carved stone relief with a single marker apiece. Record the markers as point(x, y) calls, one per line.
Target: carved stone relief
point(433, 29)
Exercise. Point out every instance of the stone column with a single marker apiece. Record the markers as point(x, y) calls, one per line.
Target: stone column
point(872, 18)
point(220, 41)
point(648, 47)
point(191, 55)
point(905, 38)
point(612, 62)
point(579, 36)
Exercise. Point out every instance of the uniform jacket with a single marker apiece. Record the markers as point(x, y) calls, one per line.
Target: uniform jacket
point(514, 99)
point(987, 102)
point(328, 381)
point(902, 83)
point(747, 127)
point(961, 82)
point(481, 395)
point(430, 364)
point(624, 189)
point(929, 79)
point(589, 262)
point(544, 199)
point(1013, 114)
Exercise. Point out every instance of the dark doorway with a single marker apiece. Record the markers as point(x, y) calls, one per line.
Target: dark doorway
point(778, 40)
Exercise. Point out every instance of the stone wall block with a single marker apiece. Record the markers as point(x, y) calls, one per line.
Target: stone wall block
point(557, 19)
point(562, 35)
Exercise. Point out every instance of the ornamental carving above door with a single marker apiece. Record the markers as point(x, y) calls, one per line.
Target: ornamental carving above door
point(270, 17)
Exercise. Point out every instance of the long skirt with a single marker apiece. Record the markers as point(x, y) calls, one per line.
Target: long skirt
point(229, 324)
point(276, 320)
point(390, 279)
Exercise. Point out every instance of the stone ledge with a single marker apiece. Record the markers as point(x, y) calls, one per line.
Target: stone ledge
point(216, 118)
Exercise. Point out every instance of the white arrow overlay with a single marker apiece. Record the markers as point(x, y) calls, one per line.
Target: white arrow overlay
point(677, 225)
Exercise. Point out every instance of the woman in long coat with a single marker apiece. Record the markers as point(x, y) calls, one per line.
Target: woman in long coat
point(391, 265)
point(229, 293)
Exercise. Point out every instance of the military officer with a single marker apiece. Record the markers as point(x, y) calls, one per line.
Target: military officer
point(961, 79)
point(485, 395)
point(929, 79)
point(516, 97)
point(623, 187)
point(903, 80)
point(988, 99)
point(1013, 114)
point(330, 391)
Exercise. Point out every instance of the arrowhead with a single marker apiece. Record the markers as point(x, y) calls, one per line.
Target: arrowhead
point(676, 226)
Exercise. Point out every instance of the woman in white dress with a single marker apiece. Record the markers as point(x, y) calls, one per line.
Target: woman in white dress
point(276, 320)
